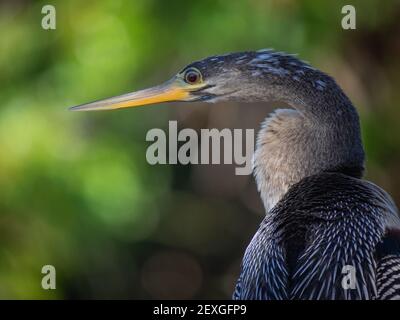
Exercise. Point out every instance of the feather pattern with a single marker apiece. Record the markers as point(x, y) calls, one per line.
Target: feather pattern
point(333, 221)
point(388, 270)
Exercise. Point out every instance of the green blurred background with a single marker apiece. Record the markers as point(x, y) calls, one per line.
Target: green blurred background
point(76, 191)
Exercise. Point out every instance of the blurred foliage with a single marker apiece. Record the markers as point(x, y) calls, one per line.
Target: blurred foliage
point(75, 188)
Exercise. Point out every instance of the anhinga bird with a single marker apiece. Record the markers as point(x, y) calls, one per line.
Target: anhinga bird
point(322, 218)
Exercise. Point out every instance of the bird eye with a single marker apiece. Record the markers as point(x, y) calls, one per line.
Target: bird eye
point(192, 76)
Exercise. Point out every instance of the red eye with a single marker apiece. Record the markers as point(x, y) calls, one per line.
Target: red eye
point(192, 76)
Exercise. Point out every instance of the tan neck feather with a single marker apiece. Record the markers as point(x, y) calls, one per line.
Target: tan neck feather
point(279, 160)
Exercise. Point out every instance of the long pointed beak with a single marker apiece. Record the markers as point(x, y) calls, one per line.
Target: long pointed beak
point(171, 90)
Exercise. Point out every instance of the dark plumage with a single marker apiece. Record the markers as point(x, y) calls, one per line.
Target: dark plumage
point(308, 165)
point(322, 223)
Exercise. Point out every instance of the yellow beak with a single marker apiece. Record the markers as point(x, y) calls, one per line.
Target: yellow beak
point(172, 90)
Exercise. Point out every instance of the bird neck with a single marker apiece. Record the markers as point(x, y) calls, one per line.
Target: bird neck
point(321, 134)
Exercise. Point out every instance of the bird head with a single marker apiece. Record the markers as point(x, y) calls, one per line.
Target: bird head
point(226, 77)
